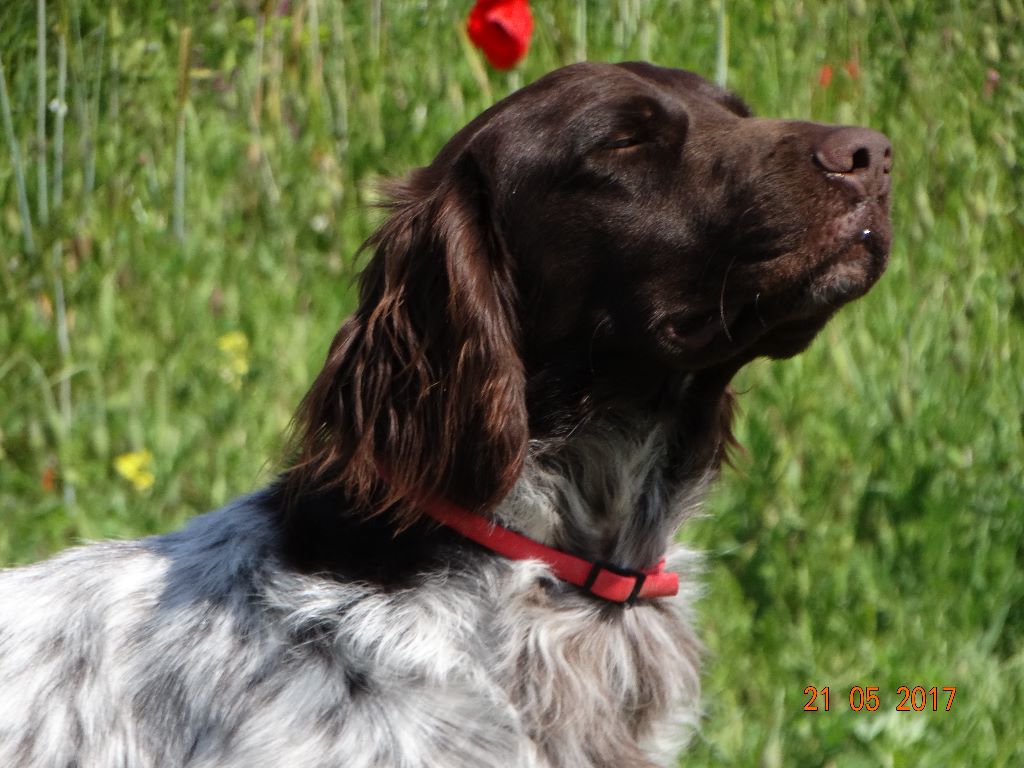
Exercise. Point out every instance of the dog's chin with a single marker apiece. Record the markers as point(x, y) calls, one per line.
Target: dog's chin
point(851, 271)
point(789, 339)
point(847, 278)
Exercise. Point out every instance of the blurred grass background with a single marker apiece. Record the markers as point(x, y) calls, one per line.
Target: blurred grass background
point(182, 189)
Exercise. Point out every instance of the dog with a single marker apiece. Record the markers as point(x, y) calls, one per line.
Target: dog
point(469, 558)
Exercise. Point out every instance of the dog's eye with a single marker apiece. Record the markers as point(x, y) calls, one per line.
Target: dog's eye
point(624, 141)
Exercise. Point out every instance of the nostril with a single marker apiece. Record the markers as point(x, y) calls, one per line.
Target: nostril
point(861, 159)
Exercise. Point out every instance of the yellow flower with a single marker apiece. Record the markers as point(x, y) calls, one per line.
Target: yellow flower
point(136, 467)
point(234, 347)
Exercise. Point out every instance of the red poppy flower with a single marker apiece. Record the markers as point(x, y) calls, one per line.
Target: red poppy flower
point(825, 75)
point(501, 29)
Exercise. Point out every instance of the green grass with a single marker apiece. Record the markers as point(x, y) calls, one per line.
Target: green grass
point(870, 535)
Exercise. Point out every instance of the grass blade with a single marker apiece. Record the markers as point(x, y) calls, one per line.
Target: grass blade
point(60, 109)
point(42, 204)
point(179, 144)
point(722, 47)
point(19, 169)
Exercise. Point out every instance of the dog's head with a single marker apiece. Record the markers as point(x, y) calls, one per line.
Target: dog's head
point(596, 231)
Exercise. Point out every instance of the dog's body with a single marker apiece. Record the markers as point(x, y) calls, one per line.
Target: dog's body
point(545, 335)
point(201, 648)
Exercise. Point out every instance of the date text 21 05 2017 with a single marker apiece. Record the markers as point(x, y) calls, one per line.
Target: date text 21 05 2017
point(867, 698)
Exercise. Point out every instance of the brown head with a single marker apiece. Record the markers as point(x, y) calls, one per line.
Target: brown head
point(600, 233)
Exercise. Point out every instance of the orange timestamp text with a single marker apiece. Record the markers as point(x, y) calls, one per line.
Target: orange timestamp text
point(866, 698)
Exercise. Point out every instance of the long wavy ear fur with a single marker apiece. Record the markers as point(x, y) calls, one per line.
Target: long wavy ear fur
point(424, 381)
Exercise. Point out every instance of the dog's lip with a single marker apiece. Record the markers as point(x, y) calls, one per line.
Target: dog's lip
point(875, 243)
point(867, 224)
point(863, 237)
point(696, 328)
point(782, 311)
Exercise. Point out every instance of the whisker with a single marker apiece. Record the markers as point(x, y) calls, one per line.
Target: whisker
point(593, 339)
point(721, 298)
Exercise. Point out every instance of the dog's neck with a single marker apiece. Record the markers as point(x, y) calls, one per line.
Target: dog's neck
point(613, 486)
point(617, 487)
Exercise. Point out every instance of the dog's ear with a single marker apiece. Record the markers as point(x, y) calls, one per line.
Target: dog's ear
point(424, 383)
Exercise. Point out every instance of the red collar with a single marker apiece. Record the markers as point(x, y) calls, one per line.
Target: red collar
point(618, 585)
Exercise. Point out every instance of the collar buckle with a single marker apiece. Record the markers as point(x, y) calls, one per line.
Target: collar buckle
point(599, 566)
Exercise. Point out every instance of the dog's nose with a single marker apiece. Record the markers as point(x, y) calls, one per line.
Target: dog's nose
point(859, 157)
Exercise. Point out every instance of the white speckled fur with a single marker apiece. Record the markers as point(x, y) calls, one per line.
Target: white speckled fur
point(199, 649)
